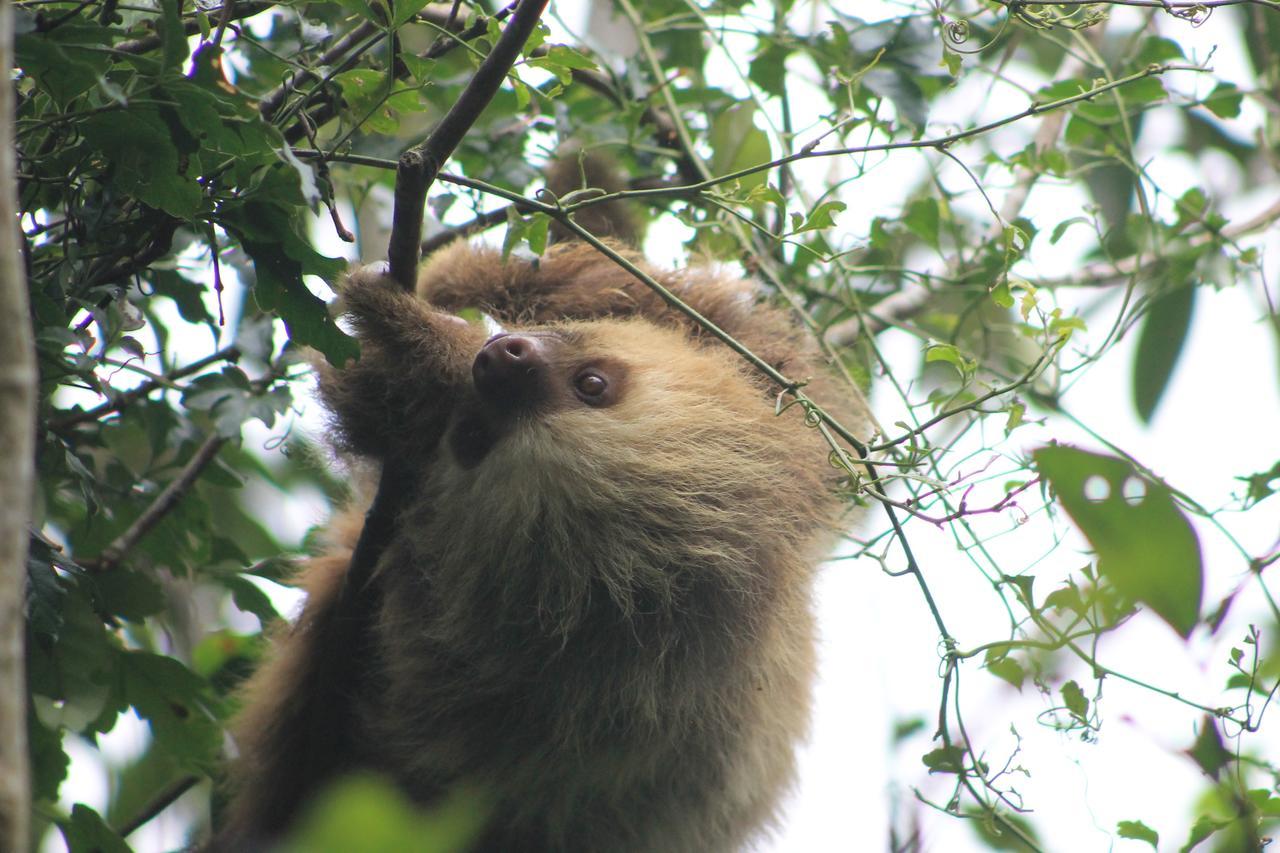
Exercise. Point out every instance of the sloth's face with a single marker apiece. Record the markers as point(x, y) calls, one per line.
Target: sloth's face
point(535, 372)
point(589, 388)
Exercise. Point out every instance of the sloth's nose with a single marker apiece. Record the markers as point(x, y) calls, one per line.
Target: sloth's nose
point(509, 367)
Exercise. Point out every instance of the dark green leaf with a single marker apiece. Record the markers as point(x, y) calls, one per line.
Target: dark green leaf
point(251, 599)
point(139, 149)
point(1076, 702)
point(279, 288)
point(769, 66)
point(86, 832)
point(49, 762)
point(1207, 751)
point(944, 759)
point(173, 38)
point(175, 701)
point(128, 594)
point(1160, 341)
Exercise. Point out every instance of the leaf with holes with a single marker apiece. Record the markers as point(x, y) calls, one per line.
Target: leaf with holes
point(1145, 545)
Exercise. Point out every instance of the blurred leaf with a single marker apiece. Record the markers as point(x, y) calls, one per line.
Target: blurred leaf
point(738, 144)
point(945, 759)
point(1204, 827)
point(1207, 751)
point(1261, 485)
point(1006, 668)
point(1139, 831)
point(86, 832)
point(369, 815)
point(1224, 101)
point(922, 217)
point(128, 594)
point(1076, 702)
point(174, 700)
point(1145, 545)
point(1160, 342)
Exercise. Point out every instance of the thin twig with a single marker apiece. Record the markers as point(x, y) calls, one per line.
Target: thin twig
point(230, 353)
point(272, 101)
point(158, 803)
point(160, 507)
point(191, 26)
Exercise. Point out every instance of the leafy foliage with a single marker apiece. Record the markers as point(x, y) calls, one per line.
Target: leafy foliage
point(185, 173)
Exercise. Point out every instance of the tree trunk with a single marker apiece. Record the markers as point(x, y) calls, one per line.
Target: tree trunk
point(17, 473)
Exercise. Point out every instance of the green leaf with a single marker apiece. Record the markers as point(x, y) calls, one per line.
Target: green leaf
point(139, 150)
point(1076, 702)
point(1224, 101)
point(1264, 801)
point(1007, 669)
point(944, 759)
point(128, 594)
point(1261, 485)
point(822, 216)
point(922, 218)
point(251, 599)
point(1160, 342)
point(406, 9)
point(86, 832)
point(737, 144)
point(1145, 545)
point(369, 815)
point(173, 38)
point(57, 71)
point(1139, 831)
point(1208, 752)
point(279, 288)
point(1204, 827)
point(72, 677)
point(174, 701)
point(1001, 295)
point(49, 761)
point(768, 67)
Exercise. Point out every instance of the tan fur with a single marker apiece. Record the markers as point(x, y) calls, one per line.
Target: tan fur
point(604, 623)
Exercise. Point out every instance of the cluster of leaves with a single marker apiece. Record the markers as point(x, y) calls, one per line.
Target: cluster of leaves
point(166, 147)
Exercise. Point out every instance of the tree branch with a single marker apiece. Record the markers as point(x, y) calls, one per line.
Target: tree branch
point(160, 507)
point(158, 803)
point(230, 353)
point(419, 166)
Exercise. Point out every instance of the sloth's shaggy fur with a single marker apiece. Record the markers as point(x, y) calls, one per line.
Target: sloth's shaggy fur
point(598, 616)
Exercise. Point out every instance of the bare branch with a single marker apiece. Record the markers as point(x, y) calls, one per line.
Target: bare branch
point(419, 166)
point(161, 506)
point(230, 353)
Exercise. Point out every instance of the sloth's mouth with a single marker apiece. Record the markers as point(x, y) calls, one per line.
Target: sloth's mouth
point(471, 439)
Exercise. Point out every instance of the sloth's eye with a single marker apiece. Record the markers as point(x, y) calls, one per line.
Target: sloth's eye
point(590, 386)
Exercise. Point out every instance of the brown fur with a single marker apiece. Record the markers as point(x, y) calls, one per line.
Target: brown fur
point(603, 622)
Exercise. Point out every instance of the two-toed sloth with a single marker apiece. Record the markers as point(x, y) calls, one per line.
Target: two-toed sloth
point(595, 607)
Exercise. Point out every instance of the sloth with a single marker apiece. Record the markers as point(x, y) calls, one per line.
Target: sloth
point(594, 606)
